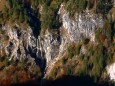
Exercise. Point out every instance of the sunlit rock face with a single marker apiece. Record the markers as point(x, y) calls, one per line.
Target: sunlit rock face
point(111, 71)
point(22, 43)
point(83, 24)
point(49, 44)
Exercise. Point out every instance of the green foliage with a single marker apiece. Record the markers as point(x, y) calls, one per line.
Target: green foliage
point(64, 60)
point(49, 18)
point(15, 79)
point(6, 61)
point(6, 37)
point(108, 32)
point(95, 61)
point(22, 64)
point(14, 63)
point(98, 61)
point(69, 71)
point(73, 50)
point(104, 6)
point(14, 11)
point(55, 72)
point(74, 6)
point(99, 6)
point(107, 29)
point(83, 71)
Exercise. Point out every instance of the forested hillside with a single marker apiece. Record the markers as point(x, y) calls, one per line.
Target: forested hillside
point(43, 41)
point(22, 10)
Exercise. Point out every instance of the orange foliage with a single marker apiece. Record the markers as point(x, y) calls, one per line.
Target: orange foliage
point(6, 42)
point(6, 82)
point(11, 70)
point(2, 4)
point(3, 52)
point(24, 77)
point(102, 37)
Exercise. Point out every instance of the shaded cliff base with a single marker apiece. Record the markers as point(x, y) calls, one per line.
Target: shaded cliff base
point(66, 81)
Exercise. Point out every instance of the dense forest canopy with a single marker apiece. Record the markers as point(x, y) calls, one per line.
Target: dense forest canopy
point(18, 10)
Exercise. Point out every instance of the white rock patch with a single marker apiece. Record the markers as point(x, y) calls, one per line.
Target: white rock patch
point(83, 24)
point(111, 71)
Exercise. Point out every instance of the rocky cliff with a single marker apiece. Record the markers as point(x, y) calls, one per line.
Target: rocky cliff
point(48, 39)
point(17, 42)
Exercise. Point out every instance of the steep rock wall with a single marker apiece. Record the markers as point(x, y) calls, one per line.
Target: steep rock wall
point(82, 25)
point(74, 30)
point(23, 44)
point(20, 43)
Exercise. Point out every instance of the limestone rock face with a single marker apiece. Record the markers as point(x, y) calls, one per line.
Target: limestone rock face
point(83, 24)
point(21, 42)
point(74, 30)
